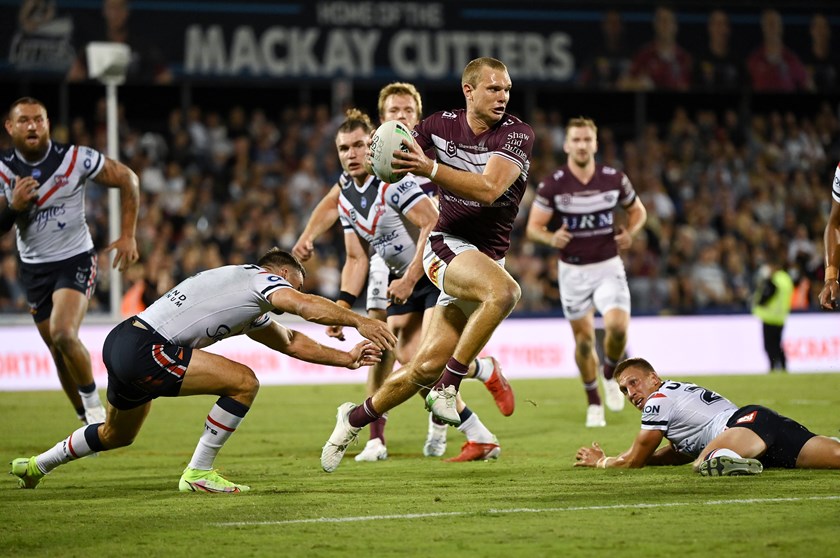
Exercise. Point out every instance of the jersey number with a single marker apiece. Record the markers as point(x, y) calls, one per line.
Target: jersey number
point(706, 395)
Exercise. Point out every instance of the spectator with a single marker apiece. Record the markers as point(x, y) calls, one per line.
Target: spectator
point(611, 60)
point(662, 63)
point(772, 66)
point(820, 61)
point(717, 68)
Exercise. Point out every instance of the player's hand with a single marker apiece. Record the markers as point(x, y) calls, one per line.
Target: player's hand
point(561, 237)
point(126, 254)
point(829, 295)
point(364, 353)
point(303, 249)
point(400, 290)
point(589, 456)
point(623, 238)
point(336, 332)
point(24, 193)
point(377, 332)
point(413, 160)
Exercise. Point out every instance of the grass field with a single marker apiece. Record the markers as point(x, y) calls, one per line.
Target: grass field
point(531, 502)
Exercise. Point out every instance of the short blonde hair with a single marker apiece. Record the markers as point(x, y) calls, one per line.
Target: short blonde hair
point(581, 122)
point(472, 71)
point(399, 88)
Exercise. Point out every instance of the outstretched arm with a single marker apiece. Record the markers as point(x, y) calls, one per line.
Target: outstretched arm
point(116, 175)
point(641, 453)
point(298, 345)
point(317, 309)
point(323, 217)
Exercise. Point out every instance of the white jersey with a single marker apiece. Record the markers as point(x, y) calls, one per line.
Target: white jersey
point(55, 228)
point(835, 189)
point(376, 211)
point(690, 416)
point(215, 304)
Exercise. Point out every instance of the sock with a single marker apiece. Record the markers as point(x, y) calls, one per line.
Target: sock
point(82, 442)
point(435, 422)
point(90, 397)
point(483, 368)
point(452, 374)
point(364, 414)
point(609, 368)
point(377, 428)
point(591, 389)
point(473, 428)
point(222, 421)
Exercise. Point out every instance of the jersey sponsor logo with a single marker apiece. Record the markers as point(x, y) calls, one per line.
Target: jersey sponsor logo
point(747, 419)
point(221, 332)
point(652, 409)
point(609, 170)
point(453, 116)
point(59, 150)
point(45, 216)
point(176, 297)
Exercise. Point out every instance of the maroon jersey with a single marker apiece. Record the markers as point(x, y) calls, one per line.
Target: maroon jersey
point(587, 210)
point(487, 226)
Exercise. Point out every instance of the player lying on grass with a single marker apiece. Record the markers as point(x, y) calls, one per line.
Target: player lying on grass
point(708, 429)
point(158, 353)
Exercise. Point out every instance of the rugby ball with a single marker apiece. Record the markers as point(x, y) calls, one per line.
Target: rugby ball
point(387, 139)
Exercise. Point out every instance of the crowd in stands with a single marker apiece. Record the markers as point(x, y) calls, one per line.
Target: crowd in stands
point(724, 197)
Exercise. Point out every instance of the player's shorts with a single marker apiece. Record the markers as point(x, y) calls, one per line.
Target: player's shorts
point(784, 436)
point(43, 279)
point(602, 284)
point(424, 296)
point(142, 365)
point(438, 253)
point(377, 287)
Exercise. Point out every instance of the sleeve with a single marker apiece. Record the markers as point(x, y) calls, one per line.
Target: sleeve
point(657, 412)
point(91, 161)
point(404, 195)
point(628, 193)
point(542, 198)
point(422, 134)
point(835, 189)
point(515, 143)
point(265, 283)
point(343, 217)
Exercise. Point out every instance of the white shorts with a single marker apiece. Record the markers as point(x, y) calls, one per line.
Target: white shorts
point(602, 284)
point(377, 286)
point(438, 253)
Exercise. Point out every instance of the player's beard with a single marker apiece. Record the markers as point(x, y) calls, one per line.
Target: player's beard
point(33, 152)
point(582, 163)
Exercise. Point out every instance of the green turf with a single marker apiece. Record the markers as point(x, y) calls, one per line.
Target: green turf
point(530, 502)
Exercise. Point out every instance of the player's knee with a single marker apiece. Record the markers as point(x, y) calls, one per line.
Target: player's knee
point(427, 371)
point(506, 296)
point(583, 344)
point(249, 385)
point(64, 339)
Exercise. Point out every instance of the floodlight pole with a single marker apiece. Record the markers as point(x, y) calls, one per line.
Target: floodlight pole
point(114, 212)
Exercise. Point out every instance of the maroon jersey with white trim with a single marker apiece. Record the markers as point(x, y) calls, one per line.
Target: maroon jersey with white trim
point(448, 134)
point(588, 210)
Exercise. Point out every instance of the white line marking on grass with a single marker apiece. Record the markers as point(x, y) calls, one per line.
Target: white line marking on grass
point(522, 510)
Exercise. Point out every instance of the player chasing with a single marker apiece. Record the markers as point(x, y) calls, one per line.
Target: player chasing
point(574, 212)
point(707, 430)
point(159, 353)
point(481, 167)
point(398, 291)
point(42, 193)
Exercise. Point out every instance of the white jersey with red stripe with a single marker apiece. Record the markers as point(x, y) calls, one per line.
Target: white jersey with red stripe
point(54, 229)
point(691, 416)
point(376, 211)
point(214, 305)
